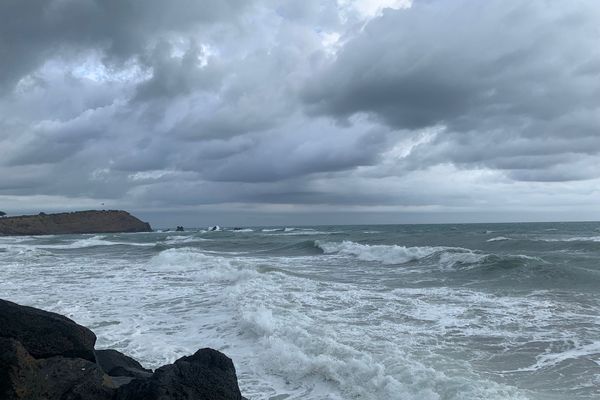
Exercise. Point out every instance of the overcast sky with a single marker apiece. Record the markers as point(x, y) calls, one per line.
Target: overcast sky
point(266, 112)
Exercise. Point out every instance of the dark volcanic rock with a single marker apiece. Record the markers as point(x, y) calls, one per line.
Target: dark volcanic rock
point(76, 222)
point(46, 356)
point(18, 371)
point(24, 378)
point(179, 229)
point(45, 334)
point(115, 363)
point(206, 375)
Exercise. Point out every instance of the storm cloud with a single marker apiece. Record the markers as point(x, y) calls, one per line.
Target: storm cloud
point(366, 106)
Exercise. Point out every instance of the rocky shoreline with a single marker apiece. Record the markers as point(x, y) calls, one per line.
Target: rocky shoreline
point(47, 356)
point(91, 221)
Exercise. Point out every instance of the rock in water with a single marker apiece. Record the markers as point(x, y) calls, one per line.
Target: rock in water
point(206, 375)
point(113, 221)
point(115, 363)
point(45, 334)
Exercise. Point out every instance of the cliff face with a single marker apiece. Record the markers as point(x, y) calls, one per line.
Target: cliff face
point(112, 221)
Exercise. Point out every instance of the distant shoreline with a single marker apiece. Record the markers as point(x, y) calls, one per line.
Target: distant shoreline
point(90, 221)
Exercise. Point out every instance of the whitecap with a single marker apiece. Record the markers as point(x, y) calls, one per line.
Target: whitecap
point(571, 239)
point(181, 239)
point(590, 351)
point(386, 254)
point(498, 239)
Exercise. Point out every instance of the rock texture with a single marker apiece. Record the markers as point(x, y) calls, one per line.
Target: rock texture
point(206, 375)
point(112, 221)
point(22, 377)
point(45, 334)
point(47, 356)
point(115, 363)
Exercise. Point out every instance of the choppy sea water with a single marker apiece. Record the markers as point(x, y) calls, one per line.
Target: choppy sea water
point(481, 311)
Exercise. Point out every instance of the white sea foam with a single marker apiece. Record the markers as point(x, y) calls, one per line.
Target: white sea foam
point(92, 241)
point(188, 260)
point(571, 239)
point(184, 239)
point(498, 239)
point(296, 331)
point(385, 254)
point(394, 254)
point(245, 230)
point(450, 258)
point(306, 233)
point(590, 351)
point(296, 231)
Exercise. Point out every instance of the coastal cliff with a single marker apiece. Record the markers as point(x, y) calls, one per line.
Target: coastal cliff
point(92, 221)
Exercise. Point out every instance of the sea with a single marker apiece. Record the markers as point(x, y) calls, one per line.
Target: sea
point(423, 312)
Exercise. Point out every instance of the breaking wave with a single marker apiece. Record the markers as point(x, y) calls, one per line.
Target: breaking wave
point(386, 254)
point(571, 239)
point(498, 239)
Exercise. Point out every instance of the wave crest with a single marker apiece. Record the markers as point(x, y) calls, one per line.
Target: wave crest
point(498, 239)
point(386, 254)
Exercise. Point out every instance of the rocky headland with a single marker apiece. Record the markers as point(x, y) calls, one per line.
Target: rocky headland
point(92, 221)
point(47, 356)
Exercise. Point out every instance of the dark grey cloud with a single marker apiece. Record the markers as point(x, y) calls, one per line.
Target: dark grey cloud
point(33, 31)
point(514, 84)
point(285, 105)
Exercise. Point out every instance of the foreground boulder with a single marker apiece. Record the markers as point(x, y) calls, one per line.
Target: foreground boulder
point(115, 363)
point(206, 375)
point(45, 334)
point(22, 377)
point(46, 356)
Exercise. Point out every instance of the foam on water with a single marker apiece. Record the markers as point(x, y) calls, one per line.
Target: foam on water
point(73, 244)
point(383, 253)
point(182, 239)
point(498, 239)
point(572, 239)
point(394, 254)
point(549, 359)
point(326, 324)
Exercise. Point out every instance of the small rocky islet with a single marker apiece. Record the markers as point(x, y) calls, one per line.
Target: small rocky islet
point(44, 355)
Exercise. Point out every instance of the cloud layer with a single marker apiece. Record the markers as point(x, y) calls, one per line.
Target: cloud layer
point(362, 106)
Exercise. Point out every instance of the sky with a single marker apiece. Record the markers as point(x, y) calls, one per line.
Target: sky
point(266, 112)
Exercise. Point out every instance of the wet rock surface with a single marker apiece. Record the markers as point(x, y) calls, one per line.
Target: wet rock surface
point(115, 363)
point(45, 334)
point(47, 356)
point(208, 374)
